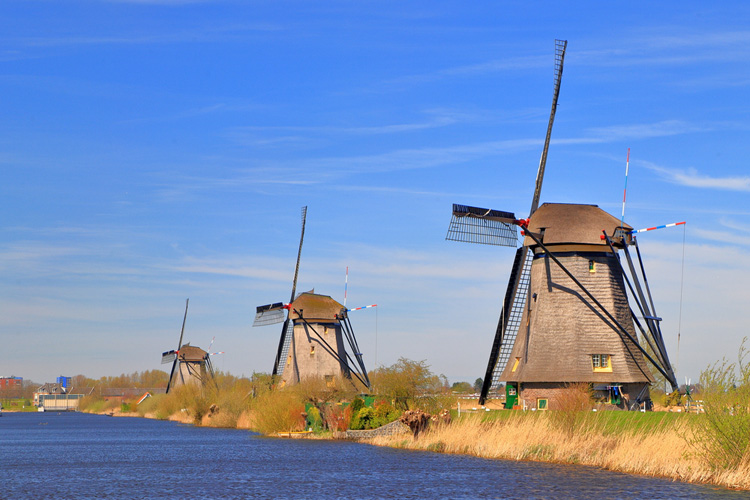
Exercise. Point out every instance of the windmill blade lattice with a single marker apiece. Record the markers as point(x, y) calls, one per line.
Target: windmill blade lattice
point(168, 357)
point(510, 320)
point(270, 314)
point(179, 344)
point(483, 226)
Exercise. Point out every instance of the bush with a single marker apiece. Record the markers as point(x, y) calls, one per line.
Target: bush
point(722, 436)
point(364, 419)
point(336, 417)
point(405, 381)
point(314, 419)
point(357, 404)
point(385, 413)
point(277, 411)
point(572, 408)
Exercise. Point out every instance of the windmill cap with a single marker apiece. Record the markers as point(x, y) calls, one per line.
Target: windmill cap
point(314, 307)
point(191, 353)
point(568, 223)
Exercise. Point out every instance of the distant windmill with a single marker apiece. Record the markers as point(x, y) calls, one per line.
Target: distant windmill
point(190, 364)
point(566, 317)
point(314, 337)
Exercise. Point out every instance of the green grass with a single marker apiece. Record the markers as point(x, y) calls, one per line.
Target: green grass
point(17, 404)
point(606, 422)
point(635, 422)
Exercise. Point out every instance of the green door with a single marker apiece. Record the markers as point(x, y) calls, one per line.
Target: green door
point(511, 395)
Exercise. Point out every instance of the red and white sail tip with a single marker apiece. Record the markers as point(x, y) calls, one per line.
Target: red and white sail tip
point(364, 307)
point(657, 227)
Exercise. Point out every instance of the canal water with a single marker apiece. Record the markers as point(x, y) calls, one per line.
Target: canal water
point(81, 456)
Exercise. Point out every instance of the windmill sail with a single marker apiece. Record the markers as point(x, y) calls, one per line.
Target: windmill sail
point(509, 322)
point(286, 338)
point(269, 314)
point(179, 344)
point(493, 227)
point(482, 225)
point(168, 357)
point(560, 46)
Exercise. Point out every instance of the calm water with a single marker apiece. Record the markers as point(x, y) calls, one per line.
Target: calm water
point(71, 455)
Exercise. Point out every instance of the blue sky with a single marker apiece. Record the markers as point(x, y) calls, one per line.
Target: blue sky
point(153, 151)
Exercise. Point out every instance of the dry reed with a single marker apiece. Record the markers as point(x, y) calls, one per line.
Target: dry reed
point(661, 452)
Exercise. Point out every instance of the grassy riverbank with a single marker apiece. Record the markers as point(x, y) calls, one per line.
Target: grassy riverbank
point(655, 444)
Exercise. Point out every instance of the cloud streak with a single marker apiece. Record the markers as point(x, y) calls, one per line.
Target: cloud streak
point(692, 178)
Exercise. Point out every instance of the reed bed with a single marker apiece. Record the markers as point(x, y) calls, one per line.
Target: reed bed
point(647, 444)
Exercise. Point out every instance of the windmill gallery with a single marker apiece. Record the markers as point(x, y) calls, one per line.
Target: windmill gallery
point(566, 318)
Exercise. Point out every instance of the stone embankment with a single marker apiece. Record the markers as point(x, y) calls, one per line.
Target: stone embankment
point(392, 429)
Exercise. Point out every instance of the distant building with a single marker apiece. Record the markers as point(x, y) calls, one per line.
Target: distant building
point(47, 389)
point(9, 382)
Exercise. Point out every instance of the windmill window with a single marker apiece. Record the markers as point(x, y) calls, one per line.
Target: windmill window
point(312, 350)
point(330, 381)
point(592, 266)
point(541, 404)
point(601, 362)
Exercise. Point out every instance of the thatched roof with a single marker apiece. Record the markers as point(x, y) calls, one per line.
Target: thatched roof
point(315, 308)
point(566, 223)
point(192, 353)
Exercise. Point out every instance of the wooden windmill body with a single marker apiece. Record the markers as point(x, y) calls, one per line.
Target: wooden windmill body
point(193, 366)
point(317, 344)
point(564, 339)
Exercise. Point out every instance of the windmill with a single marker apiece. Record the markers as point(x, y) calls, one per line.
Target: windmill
point(566, 318)
point(191, 364)
point(314, 336)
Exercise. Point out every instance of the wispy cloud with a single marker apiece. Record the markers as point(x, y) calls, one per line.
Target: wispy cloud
point(476, 69)
point(724, 237)
point(734, 225)
point(311, 170)
point(692, 178)
point(645, 130)
point(264, 135)
point(195, 34)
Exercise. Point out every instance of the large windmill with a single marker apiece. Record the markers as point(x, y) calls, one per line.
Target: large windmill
point(314, 337)
point(190, 364)
point(566, 318)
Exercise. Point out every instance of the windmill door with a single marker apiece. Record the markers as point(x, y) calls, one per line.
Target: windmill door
point(511, 395)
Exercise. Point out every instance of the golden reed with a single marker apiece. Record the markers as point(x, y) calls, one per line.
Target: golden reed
point(662, 451)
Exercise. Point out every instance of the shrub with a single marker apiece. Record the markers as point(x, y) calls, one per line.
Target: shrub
point(722, 436)
point(365, 419)
point(277, 411)
point(335, 417)
point(314, 419)
point(357, 404)
point(572, 407)
point(405, 381)
point(385, 413)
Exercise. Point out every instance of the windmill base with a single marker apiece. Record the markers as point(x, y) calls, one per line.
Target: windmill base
point(574, 396)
